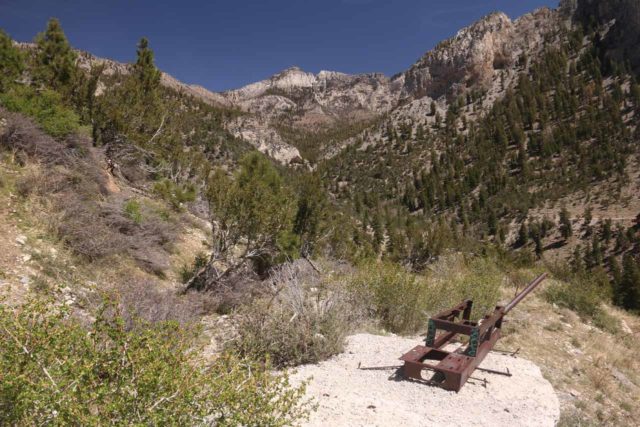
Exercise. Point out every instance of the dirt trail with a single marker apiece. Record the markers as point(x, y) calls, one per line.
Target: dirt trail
point(348, 396)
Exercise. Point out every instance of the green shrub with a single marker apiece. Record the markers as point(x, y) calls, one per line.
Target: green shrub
point(457, 278)
point(403, 301)
point(46, 106)
point(132, 210)
point(275, 331)
point(584, 299)
point(584, 292)
point(188, 271)
point(175, 194)
point(53, 371)
point(397, 298)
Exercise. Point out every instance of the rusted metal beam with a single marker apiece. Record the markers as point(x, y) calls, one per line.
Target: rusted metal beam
point(525, 292)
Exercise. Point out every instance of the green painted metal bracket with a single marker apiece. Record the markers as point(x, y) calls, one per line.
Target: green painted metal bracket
point(431, 333)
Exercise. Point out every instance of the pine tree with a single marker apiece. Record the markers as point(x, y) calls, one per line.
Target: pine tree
point(565, 224)
point(588, 216)
point(11, 61)
point(630, 283)
point(577, 261)
point(492, 223)
point(523, 234)
point(311, 212)
point(536, 236)
point(616, 280)
point(55, 60)
point(607, 231)
point(145, 70)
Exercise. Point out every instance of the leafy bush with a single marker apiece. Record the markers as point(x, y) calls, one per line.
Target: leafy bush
point(403, 301)
point(396, 297)
point(457, 278)
point(188, 271)
point(132, 210)
point(53, 371)
point(584, 293)
point(584, 300)
point(301, 322)
point(45, 106)
point(175, 194)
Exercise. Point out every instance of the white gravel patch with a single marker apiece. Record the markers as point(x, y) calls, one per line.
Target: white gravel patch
point(348, 396)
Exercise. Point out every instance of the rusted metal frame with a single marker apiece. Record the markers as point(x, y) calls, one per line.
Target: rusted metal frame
point(443, 339)
point(459, 328)
point(464, 307)
point(457, 367)
point(445, 321)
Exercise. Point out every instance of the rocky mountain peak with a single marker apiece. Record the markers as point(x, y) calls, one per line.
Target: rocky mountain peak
point(473, 57)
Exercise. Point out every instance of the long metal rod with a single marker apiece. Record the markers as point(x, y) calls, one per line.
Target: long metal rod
point(493, 371)
point(525, 292)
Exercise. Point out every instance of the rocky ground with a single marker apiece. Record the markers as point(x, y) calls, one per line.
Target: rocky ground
point(348, 396)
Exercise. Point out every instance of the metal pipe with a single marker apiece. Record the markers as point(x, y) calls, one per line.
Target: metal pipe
point(531, 286)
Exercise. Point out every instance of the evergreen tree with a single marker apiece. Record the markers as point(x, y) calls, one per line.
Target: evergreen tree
point(607, 231)
point(311, 212)
point(255, 211)
point(616, 280)
point(523, 234)
point(577, 260)
point(588, 216)
point(492, 223)
point(629, 292)
point(55, 60)
point(11, 61)
point(565, 224)
point(378, 233)
point(536, 236)
point(135, 108)
point(145, 71)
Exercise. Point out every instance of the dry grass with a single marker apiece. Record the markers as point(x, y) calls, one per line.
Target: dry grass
point(596, 373)
point(67, 180)
point(301, 320)
point(146, 300)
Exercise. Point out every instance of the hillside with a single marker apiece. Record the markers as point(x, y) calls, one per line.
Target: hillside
point(175, 253)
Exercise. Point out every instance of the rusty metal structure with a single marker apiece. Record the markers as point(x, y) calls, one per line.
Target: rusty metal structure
point(451, 369)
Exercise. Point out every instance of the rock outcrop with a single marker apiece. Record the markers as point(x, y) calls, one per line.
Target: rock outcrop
point(481, 58)
point(321, 98)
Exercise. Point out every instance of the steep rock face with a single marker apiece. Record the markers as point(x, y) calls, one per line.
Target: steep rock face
point(482, 58)
point(316, 98)
point(264, 138)
point(467, 58)
point(476, 55)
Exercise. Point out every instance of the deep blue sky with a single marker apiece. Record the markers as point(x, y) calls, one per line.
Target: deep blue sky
point(227, 44)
